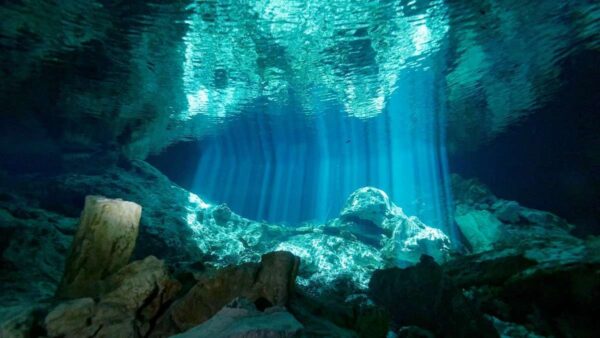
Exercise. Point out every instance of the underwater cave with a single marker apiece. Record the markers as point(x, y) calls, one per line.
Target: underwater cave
point(293, 168)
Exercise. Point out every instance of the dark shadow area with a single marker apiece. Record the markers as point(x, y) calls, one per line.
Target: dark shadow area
point(551, 160)
point(179, 162)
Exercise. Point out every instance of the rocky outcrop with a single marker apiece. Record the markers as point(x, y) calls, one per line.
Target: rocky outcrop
point(527, 272)
point(240, 318)
point(126, 304)
point(424, 296)
point(369, 212)
point(489, 223)
point(342, 312)
point(371, 232)
point(517, 257)
point(268, 283)
point(33, 249)
point(103, 243)
point(181, 228)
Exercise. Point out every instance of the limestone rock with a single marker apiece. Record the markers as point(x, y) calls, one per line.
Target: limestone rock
point(481, 229)
point(241, 319)
point(367, 204)
point(326, 258)
point(412, 238)
point(370, 233)
point(269, 282)
point(402, 239)
point(424, 296)
point(32, 251)
point(104, 242)
point(129, 302)
point(277, 276)
point(488, 222)
point(526, 287)
point(544, 218)
point(142, 287)
point(70, 318)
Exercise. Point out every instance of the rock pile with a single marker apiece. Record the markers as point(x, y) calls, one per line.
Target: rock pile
point(523, 274)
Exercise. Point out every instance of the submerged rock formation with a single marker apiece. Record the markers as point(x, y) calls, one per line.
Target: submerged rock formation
point(125, 304)
point(138, 299)
point(268, 283)
point(425, 297)
point(178, 226)
point(371, 232)
point(531, 276)
point(240, 318)
point(103, 243)
point(521, 267)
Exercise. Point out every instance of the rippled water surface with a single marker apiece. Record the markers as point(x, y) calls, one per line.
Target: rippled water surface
point(309, 98)
point(218, 58)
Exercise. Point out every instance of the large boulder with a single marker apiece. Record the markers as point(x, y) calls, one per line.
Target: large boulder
point(370, 233)
point(412, 238)
point(240, 318)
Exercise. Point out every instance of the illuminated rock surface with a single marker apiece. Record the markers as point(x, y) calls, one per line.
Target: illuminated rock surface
point(505, 280)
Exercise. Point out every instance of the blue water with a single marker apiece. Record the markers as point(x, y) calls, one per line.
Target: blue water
point(280, 165)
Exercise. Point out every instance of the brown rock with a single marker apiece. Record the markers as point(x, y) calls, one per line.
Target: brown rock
point(103, 244)
point(277, 276)
point(267, 283)
point(128, 305)
point(69, 319)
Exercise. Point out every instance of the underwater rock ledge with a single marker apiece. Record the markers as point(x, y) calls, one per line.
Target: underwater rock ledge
point(522, 269)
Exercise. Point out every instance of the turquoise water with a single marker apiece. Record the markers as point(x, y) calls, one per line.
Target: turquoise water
point(294, 104)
